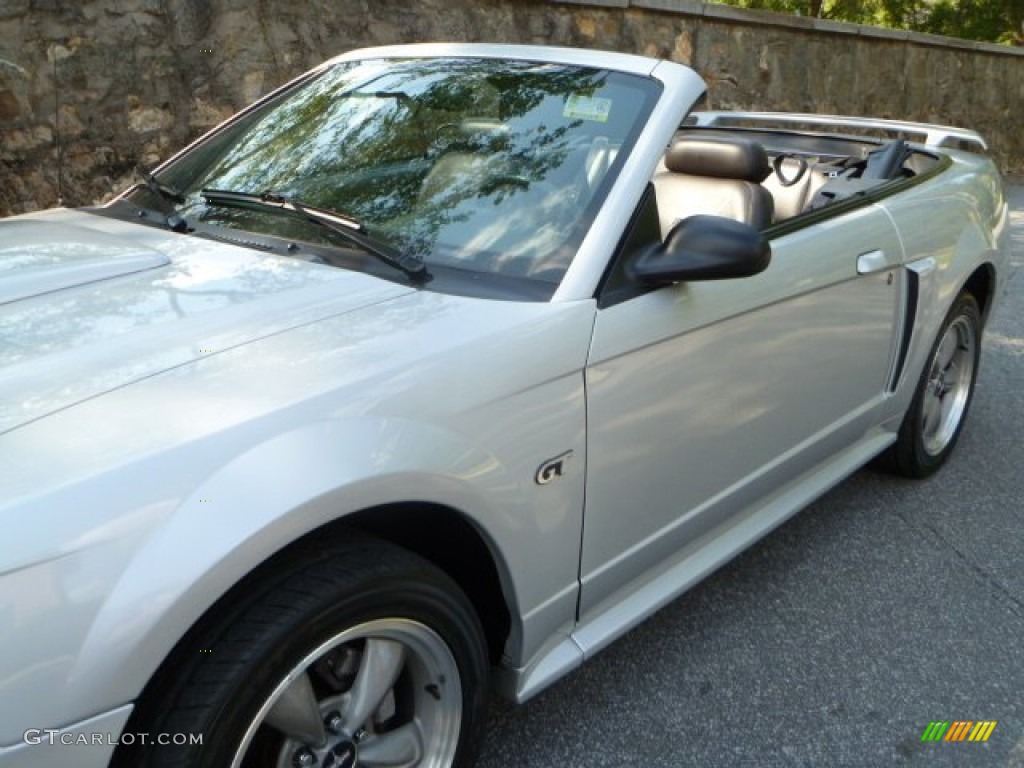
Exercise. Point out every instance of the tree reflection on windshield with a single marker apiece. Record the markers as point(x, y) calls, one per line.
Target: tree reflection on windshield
point(481, 164)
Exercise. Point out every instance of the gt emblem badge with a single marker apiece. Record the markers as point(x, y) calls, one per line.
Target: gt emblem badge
point(552, 468)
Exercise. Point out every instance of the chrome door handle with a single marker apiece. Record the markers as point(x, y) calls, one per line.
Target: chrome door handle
point(872, 261)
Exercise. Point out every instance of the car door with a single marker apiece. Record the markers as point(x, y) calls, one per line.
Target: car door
point(707, 400)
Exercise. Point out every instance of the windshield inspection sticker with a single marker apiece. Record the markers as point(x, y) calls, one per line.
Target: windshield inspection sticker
point(587, 108)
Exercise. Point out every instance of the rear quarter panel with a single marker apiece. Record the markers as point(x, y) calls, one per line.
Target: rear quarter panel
point(951, 225)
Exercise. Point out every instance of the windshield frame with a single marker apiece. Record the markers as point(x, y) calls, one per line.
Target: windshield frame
point(661, 73)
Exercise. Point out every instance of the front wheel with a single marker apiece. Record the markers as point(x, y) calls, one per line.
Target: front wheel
point(360, 655)
point(939, 409)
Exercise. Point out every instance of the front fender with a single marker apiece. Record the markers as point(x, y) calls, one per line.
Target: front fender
point(252, 508)
point(130, 585)
point(129, 515)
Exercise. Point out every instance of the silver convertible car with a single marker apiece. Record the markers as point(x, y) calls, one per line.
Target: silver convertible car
point(435, 371)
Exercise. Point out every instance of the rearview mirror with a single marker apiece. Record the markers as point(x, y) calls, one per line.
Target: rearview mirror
point(702, 248)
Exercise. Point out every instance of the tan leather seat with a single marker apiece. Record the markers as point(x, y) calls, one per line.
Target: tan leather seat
point(793, 199)
point(455, 176)
point(473, 155)
point(714, 176)
point(790, 199)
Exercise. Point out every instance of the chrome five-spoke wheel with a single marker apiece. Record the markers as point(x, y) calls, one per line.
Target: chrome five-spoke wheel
point(341, 652)
point(377, 694)
point(938, 410)
point(948, 388)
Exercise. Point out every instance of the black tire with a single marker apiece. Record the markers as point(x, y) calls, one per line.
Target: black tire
point(918, 450)
point(225, 670)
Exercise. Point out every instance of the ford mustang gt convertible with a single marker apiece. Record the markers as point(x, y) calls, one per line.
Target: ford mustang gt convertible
point(435, 371)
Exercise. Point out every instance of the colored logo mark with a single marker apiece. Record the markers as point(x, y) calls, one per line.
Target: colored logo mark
point(959, 730)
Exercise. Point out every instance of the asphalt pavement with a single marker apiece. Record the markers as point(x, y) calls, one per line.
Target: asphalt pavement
point(884, 606)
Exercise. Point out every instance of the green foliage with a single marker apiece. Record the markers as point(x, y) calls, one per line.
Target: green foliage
point(993, 20)
point(988, 20)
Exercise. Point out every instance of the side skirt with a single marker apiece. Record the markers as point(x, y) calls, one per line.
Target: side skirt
point(692, 564)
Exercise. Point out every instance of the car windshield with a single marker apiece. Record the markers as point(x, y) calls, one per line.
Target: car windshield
point(491, 166)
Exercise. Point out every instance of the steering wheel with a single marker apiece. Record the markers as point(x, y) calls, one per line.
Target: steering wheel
point(800, 171)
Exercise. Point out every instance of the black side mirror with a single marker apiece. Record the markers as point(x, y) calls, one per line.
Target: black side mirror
point(702, 248)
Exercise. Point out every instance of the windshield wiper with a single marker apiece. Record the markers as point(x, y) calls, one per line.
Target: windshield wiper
point(157, 187)
point(165, 191)
point(350, 229)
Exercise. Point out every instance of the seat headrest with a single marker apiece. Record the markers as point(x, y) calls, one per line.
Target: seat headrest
point(483, 125)
point(719, 158)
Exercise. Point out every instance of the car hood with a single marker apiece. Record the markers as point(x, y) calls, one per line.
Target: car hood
point(89, 304)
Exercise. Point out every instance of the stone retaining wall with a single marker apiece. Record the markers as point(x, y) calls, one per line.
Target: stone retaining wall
point(123, 83)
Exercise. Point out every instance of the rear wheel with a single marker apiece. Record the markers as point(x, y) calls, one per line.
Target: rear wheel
point(937, 413)
point(366, 656)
